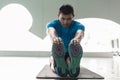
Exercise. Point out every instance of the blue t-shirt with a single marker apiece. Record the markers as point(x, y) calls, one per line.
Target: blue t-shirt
point(66, 34)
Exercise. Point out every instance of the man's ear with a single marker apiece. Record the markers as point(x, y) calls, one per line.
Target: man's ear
point(73, 15)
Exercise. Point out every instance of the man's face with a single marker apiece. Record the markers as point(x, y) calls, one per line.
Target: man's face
point(65, 19)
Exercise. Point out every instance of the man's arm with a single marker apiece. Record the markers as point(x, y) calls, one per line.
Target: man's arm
point(78, 37)
point(53, 35)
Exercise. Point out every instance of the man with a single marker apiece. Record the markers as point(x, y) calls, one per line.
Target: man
point(66, 35)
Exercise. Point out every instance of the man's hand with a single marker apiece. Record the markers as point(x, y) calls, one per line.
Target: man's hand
point(54, 38)
point(78, 37)
point(75, 41)
point(57, 40)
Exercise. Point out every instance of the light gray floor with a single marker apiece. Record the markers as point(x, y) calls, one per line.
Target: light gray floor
point(27, 68)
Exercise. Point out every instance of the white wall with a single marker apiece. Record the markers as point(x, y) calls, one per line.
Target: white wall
point(43, 11)
point(46, 10)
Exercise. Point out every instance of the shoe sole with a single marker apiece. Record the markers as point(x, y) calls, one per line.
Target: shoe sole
point(58, 52)
point(75, 52)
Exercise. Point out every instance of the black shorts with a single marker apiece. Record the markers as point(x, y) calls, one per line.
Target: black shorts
point(66, 55)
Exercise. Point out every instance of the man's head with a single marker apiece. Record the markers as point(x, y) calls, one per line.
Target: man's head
point(66, 14)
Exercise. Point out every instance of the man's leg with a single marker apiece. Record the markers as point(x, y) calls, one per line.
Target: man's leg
point(58, 53)
point(75, 52)
point(52, 63)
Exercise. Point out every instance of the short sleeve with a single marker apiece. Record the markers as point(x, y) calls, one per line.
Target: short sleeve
point(51, 24)
point(80, 26)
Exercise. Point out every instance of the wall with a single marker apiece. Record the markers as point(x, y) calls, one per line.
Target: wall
point(44, 11)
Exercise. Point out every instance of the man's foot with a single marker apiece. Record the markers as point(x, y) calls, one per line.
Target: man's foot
point(58, 52)
point(75, 52)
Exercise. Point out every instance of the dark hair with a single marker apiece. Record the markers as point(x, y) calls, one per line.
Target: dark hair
point(66, 9)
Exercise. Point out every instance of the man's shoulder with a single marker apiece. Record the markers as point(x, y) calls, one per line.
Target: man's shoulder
point(78, 25)
point(54, 21)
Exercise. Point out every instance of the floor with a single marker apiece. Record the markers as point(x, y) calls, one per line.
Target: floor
point(27, 68)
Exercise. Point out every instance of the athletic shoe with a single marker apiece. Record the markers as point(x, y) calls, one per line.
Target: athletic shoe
point(75, 52)
point(58, 52)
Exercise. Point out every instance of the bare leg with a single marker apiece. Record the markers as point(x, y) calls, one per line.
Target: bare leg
point(52, 63)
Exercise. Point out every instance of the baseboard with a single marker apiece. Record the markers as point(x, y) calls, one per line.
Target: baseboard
point(98, 54)
point(47, 54)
